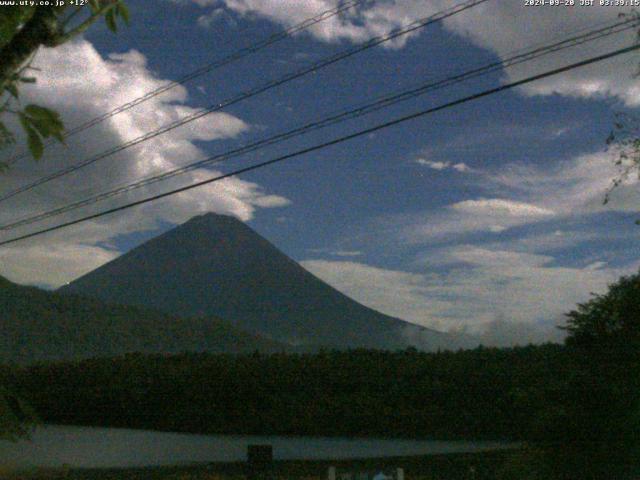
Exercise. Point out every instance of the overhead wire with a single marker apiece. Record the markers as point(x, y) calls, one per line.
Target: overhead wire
point(411, 27)
point(335, 141)
point(209, 67)
point(383, 102)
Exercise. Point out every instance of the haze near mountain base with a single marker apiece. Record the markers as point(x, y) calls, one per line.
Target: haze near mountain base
point(215, 265)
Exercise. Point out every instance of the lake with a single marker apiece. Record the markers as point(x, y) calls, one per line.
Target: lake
point(90, 447)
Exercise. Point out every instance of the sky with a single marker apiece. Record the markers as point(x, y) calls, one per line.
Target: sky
point(485, 218)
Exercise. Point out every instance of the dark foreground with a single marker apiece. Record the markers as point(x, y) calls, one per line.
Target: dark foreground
point(476, 466)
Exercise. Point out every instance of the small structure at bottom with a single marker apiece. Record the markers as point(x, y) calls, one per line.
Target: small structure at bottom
point(383, 474)
point(259, 462)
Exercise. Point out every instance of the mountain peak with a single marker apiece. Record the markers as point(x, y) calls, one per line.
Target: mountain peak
point(213, 217)
point(218, 223)
point(217, 265)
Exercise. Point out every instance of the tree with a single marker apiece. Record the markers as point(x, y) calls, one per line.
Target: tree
point(602, 408)
point(608, 321)
point(590, 427)
point(23, 30)
point(16, 417)
point(624, 139)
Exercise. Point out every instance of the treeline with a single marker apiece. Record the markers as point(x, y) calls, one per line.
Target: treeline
point(478, 394)
point(38, 325)
point(576, 406)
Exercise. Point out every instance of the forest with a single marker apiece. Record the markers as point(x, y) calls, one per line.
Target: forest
point(576, 407)
point(483, 393)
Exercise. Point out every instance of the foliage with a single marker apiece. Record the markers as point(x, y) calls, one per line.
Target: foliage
point(609, 321)
point(467, 394)
point(38, 325)
point(16, 417)
point(604, 341)
point(592, 431)
point(24, 29)
point(624, 139)
point(576, 406)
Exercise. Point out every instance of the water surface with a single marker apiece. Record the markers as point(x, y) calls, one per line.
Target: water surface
point(89, 447)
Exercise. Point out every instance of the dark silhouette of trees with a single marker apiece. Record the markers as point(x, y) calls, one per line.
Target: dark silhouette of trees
point(590, 429)
point(23, 30)
point(604, 396)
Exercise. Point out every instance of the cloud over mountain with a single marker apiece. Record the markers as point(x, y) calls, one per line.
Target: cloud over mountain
point(87, 85)
point(501, 27)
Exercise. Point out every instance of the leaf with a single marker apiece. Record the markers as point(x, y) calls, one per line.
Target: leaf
point(95, 5)
point(35, 143)
point(33, 138)
point(110, 18)
point(12, 89)
point(10, 21)
point(123, 11)
point(46, 121)
point(50, 116)
point(6, 137)
point(28, 79)
point(42, 126)
point(42, 112)
point(58, 135)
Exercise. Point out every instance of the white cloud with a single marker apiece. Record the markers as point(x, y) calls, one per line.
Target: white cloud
point(502, 333)
point(526, 194)
point(396, 293)
point(460, 167)
point(356, 24)
point(571, 187)
point(500, 26)
point(432, 164)
point(501, 207)
point(469, 216)
point(347, 253)
point(504, 297)
point(86, 85)
point(521, 26)
point(53, 265)
point(205, 21)
point(548, 240)
point(503, 289)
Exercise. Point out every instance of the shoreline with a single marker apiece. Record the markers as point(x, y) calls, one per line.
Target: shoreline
point(434, 466)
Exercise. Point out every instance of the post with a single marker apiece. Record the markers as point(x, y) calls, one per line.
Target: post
point(259, 461)
point(400, 474)
point(331, 475)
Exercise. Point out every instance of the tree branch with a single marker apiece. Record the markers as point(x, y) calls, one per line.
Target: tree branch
point(65, 37)
point(41, 29)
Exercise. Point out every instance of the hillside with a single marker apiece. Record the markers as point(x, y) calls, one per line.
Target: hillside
point(216, 265)
point(471, 394)
point(37, 325)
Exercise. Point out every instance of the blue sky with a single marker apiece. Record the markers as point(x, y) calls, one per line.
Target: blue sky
point(486, 217)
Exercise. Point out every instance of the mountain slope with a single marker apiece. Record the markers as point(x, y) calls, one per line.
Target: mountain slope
point(217, 265)
point(37, 325)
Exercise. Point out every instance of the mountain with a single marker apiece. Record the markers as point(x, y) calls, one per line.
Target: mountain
point(38, 325)
point(216, 265)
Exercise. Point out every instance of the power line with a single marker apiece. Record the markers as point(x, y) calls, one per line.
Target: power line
point(359, 111)
point(233, 57)
point(413, 26)
point(335, 141)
